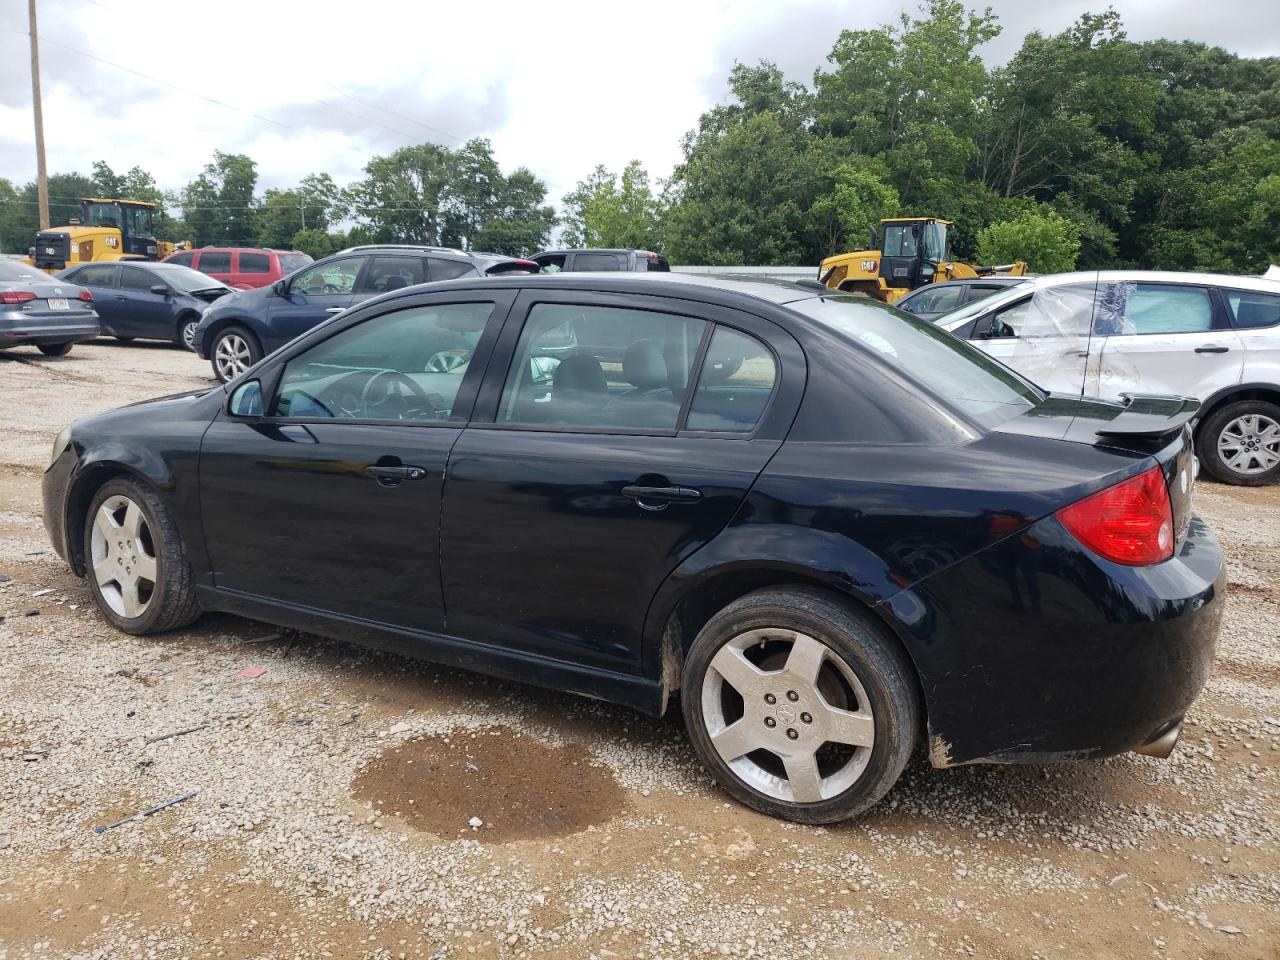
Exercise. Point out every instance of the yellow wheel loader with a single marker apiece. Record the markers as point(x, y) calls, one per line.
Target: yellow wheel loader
point(108, 229)
point(912, 251)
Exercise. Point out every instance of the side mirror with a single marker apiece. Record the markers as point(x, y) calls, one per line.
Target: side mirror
point(280, 288)
point(247, 400)
point(159, 289)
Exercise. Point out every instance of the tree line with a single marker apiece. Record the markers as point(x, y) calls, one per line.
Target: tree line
point(1085, 150)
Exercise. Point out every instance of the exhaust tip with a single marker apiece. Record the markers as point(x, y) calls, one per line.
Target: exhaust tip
point(1162, 744)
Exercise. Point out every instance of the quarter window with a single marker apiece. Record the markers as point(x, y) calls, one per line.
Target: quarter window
point(333, 277)
point(404, 365)
point(442, 269)
point(1251, 310)
point(255, 263)
point(215, 262)
point(182, 259)
point(603, 367)
point(735, 384)
point(1166, 308)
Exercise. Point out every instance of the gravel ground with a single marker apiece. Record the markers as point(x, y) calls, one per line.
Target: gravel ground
point(352, 804)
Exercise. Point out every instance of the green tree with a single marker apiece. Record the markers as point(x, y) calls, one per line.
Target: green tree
point(1047, 241)
point(520, 219)
point(218, 205)
point(606, 210)
point(317, 243)
point(859, 197)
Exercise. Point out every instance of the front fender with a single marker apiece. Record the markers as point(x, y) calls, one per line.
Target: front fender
point(93, 469)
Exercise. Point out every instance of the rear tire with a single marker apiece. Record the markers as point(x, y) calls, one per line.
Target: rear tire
point(1239, 443)
point(187, 331)
point(234, 351)
point(135, 561)
point(55, 349)
point(824, 704)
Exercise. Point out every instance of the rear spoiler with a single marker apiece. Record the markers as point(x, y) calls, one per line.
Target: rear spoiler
point(1150, 416)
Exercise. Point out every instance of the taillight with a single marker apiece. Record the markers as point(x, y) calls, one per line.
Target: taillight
point(86, 296)
point(16, 296)
point(1130, 523)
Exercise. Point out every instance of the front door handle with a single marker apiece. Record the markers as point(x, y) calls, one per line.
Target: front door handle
point(121, 296)
point(390, 476)
point(1212, 348)
point(657, 498)
point(334, 309)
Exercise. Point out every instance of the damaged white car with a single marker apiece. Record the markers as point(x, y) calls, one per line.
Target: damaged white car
point(1115, 332)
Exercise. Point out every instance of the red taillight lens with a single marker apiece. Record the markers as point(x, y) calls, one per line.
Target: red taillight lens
point(86, 296)
point(16, 296)
point(1130, 523)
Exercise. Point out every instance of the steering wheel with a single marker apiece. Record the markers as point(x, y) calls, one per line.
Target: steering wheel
point(446, 360)
point(331, 288)
point(389, 382)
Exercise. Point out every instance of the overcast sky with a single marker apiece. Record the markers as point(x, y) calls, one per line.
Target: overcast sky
point(558, 87)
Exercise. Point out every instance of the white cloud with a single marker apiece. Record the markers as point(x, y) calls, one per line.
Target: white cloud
point(556, 87)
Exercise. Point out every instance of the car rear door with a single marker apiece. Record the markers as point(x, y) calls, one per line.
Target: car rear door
point(100, 279)
point(330, 499)
point(1165, 337)
point(580, 484)
point(143, 313)
point(312, 297)
point(1256, 317)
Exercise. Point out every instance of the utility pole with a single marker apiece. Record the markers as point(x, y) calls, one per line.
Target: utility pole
point(42, 174)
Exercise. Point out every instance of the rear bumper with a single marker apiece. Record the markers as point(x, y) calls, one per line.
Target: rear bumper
point(1035, 649)
point(17, 330)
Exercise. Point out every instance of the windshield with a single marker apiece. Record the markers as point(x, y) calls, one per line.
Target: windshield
point(102, 215)
point(16, 270)
point(959, 375)
point(952, 317)
point(184, 278)
point(137, 221)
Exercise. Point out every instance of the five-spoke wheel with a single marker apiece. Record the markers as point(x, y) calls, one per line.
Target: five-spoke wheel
point(122, 556)
point(800, 705)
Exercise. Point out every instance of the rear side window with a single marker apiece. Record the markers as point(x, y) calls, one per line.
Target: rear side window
point(959, 375)
point(96, 275)
point(182, 259)
point(596, 261)
point(213, 262)
point(1166, 308)
point(393, 273)
point(608, 368)
point(1251, 310)
point(255, 263)
point(735, 384)
point(442, 269)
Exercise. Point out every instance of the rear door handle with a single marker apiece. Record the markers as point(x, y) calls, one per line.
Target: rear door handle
point(657, 498)
point(1212, 348)
point(394, 474)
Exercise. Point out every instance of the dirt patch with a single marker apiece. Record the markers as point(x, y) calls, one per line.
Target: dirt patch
point(519, 789)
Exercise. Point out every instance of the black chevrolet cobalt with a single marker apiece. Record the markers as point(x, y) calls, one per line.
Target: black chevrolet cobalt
point(832, 532)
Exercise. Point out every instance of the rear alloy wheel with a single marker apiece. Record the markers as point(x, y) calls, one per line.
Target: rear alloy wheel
point(137, 567)
point(55, 349)
point(187, 332)
point(1240, 443)
point(799, 705)
point(235, 350)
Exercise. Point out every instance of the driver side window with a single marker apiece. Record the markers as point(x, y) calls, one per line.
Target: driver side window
point(407, 365)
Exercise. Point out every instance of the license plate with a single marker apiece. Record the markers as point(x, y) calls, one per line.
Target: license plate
point(58, 303)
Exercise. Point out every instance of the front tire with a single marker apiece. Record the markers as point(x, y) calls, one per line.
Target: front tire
point(1239, 443)
point(55, 349)
point(234, 351)
point(800, 705)
point(137, 567)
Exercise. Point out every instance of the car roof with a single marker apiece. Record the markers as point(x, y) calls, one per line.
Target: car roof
point(998, 281)
point(559, 250)
point(1158, 276)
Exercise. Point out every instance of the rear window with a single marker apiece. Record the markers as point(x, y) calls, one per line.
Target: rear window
point(215, 262)
point(956, 373)
point(255, 263)
point(17, 270)
point(290, 262)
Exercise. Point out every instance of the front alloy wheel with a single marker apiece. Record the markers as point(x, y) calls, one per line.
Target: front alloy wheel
point(800, 704)
point(234, 352)
point(123, 557)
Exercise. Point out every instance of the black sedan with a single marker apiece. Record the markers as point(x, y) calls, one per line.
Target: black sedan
point(152, 301)
point(829, 529)
point(42, 311)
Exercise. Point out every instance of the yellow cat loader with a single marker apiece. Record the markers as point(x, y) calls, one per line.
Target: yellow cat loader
point(912, 251)
point(108, 229)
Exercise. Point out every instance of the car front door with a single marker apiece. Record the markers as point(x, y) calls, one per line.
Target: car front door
point(1167, 338)
point(100, 279)
point(313, 297)
point(144, 313)
point(581, 483)
point(326, 494)
point(1045, 335)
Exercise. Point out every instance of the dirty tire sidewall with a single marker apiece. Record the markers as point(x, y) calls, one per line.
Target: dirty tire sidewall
point(173, 604)
point(875, 657)
point(1207, 442)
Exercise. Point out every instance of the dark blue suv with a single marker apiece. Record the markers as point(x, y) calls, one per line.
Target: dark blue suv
point(239, 330)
